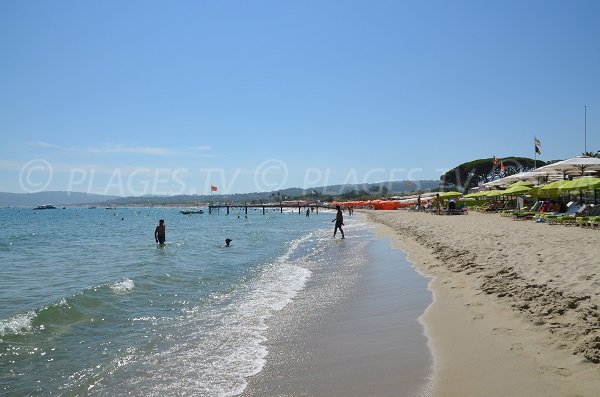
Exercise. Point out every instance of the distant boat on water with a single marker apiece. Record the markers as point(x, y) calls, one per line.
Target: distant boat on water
point(188, 212)
point(45, 207)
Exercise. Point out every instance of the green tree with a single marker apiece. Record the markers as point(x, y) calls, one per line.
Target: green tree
point(591, 154)
point(470, 174)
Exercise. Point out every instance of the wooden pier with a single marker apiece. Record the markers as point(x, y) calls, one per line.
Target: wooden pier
point(280, 206)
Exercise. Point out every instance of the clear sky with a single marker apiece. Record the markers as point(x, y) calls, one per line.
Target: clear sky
point(140, 97)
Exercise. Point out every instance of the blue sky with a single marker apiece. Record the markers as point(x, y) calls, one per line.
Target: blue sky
point(160, 97)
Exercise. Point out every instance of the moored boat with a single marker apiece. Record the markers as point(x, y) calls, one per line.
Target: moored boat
point(45, 207)
point(188, 212)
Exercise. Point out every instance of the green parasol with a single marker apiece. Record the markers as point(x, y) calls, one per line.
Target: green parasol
point(449, 195)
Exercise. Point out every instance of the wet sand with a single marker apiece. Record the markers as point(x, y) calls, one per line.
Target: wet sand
point(366, 342)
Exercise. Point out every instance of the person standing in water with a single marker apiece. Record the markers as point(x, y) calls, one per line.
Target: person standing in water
point(159, 232)
point(339, 221)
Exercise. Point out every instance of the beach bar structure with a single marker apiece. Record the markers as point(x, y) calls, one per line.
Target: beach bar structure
point(300, 205)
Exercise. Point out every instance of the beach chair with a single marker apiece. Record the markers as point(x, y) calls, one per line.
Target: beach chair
point(496, 206)
point(594, 222)
point(511, 211)
point(583, 221)
point(569, 216)
point(528, 214)
point(572, 208)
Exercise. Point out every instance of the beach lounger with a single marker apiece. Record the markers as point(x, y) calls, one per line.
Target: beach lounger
point(512, 211)
point(570, 215)
point(594, 222)
point(571, 209)
point(528, 214)
point(582, 221)
point(496, 206)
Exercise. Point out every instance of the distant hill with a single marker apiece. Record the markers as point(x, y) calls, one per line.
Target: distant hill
point(54, 198)
point(383, 188)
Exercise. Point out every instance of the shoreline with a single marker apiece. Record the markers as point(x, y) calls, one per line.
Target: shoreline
point(354, 329)
point(489, 333)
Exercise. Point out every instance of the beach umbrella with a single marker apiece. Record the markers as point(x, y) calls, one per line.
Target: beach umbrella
point(581, 184)
point(517, 190)
point(525, 176)
point(497, 182)
point(579, 164)
point(522, 183)
point(485, 193)
point(556, 185)
point(550, 190)
point(494, 193)
point(449, 195)
point(472, 195)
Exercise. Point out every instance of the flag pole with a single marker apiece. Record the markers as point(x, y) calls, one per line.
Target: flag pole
point(585, 129)
point(534, 153)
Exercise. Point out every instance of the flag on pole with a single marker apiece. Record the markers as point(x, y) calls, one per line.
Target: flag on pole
point(501, 166)
point(495, 160)
point(213, 188)
point(537, 144)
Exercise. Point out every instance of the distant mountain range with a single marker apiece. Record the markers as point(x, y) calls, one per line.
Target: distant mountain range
point(74, 198)
point(55, 198)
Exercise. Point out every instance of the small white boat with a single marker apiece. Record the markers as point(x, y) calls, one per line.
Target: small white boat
point(45, 207)
point(189, 212)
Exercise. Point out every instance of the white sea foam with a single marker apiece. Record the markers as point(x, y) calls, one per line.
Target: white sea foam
point(216, 358)
point(19, 324)
point(122, 287)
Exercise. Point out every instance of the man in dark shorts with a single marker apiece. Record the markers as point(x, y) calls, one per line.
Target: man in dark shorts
point(159, 232)
point(339, 221)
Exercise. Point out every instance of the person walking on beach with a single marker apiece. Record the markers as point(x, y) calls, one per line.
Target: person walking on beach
point(159, 232)
point(419, 203)
point(438, 203)
point(339, 221)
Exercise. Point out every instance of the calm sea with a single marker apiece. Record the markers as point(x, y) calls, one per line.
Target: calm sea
point(90, 305)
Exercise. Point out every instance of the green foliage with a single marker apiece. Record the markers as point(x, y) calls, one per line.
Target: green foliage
point(591, 154)
point(470, 174)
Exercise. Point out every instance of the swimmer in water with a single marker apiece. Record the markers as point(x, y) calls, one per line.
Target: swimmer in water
point(159, 232)
point(228, 242)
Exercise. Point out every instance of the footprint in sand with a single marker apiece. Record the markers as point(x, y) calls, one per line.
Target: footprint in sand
point(474, 304)
point(517, 347)
point(557, 370)
point(502, 331)
point(480, 316)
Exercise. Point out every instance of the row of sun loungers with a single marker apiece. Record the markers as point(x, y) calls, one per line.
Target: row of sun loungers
point(575, 215)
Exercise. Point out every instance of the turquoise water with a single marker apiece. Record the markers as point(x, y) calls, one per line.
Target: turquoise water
point(90, 305)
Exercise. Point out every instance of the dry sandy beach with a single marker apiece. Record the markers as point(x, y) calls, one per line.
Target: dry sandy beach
point(515, 310)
